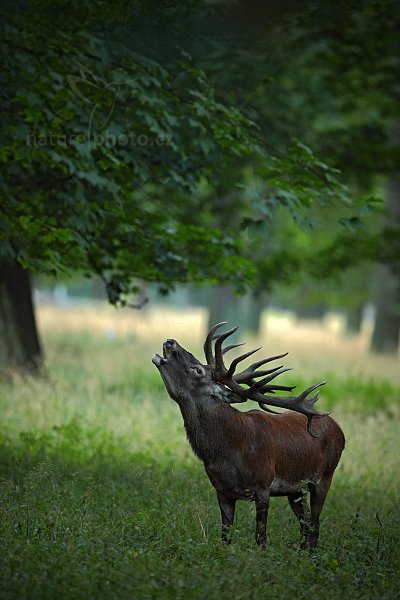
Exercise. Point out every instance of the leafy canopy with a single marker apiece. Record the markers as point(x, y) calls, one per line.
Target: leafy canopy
point(107, 146)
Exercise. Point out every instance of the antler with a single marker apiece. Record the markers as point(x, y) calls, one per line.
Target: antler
point(258, 389)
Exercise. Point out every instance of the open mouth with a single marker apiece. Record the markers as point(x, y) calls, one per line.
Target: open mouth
point(158, 360)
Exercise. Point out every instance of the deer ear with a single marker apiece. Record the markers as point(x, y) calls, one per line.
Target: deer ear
point(228, 396)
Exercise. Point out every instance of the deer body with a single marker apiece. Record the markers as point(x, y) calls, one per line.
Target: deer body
point(252, 455)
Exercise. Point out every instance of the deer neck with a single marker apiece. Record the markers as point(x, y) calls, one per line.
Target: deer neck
point(207, 425)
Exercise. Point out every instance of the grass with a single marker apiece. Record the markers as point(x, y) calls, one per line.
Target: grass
point(101, 497)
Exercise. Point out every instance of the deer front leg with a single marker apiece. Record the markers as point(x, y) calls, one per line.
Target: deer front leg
point(262, 503)
point(227, 508)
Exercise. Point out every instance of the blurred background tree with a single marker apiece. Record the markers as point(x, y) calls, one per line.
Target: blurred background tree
point(169, 143)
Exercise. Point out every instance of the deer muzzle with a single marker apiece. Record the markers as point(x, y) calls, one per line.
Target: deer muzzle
point(158, 360)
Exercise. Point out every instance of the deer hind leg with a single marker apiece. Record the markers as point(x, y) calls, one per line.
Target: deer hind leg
point(298, 504)
point(227, 509)
point(318, 493)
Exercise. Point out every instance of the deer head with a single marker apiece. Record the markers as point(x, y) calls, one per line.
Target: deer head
point(185, 378)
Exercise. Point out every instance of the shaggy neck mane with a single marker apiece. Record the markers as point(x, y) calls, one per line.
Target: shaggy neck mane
point(207, 428)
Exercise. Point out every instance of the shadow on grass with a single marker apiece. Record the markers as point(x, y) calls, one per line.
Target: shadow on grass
point(83, 518)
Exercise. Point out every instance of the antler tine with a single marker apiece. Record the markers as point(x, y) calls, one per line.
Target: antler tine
point(299, 403)
point(248, 376)
point(274, 388)
point(256, 387)
point(231, 347)
point(252, 368)
point(265, 407)
point(309, 402)
point(219, 361)
point(208, 343)
point(239, 359)
point(313, 398)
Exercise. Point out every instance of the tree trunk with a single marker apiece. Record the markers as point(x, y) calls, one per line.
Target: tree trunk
point(19, 341)
point(354, 319)
point(252, 308)
point(223, 306)
point(385, 337)
point(311, 312)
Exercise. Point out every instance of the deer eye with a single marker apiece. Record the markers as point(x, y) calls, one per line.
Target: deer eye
point(198, 370)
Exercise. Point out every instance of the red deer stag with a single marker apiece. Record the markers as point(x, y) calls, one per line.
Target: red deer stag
point(253, 455)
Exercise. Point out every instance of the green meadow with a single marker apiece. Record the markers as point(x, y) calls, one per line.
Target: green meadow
point(101, 497)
